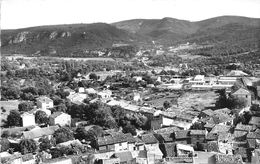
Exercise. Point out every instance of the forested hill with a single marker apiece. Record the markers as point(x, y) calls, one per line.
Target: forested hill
point(225, 33)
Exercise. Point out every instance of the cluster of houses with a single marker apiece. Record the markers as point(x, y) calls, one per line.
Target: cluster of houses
point(172, 138)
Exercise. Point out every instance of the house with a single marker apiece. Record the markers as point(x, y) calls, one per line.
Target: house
point(255, 121)
point(152, 147)
point(28, 119)
point(44, 102)
point(227, 159)
point(182, 136)
point(225, 143)
point(19, 159)
point(164, 119)
point(60, 118)
point(243, 93)
point(116, 142)
point(237, 73)
point(105, 94)
point(36, 134)
point(77, 97)
point(125, 157)
point(197, 136)
point(219, 129)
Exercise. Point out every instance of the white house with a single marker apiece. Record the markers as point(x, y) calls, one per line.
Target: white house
point(44, 102)
point(60, 118)
point(28, 119)
point(105, 94)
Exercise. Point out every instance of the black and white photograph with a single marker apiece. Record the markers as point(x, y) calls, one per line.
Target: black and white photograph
point(130, 82)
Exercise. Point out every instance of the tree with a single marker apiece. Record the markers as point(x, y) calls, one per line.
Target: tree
point(45, 143)
point(41, 117)
point(27, 146)
point(25, 106)
point(63, 134)
point(129, 128)
point(5, 144)
point(166, 104)
point(14, 118)
point(93, 76)
point(237, 102)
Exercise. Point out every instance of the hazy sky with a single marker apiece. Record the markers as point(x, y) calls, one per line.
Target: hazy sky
point(26, 13)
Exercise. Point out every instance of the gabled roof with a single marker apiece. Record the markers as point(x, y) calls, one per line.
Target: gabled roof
point(253, 135)
point(228, 159)
point(255, 121)
point(182, 134)
point(110, 140)
point(241, 91)
point(237, 73)
point(57, 114)
point(167, 130)
point(242, 127)
point(44, 99)
point(197, 132)
point(220, 128)
point(149, 138)
point(37, 133)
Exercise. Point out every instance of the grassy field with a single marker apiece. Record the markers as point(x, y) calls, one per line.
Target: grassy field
point(187, 101)
point(7, 106)
point(198, 100)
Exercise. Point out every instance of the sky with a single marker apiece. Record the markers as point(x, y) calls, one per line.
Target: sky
point(28, 13)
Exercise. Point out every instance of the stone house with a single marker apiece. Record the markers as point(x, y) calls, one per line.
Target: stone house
point(60, 118)
point(44, 102)
point(243, 93)
point(28, 119)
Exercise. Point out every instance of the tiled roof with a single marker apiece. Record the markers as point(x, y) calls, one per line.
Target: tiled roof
point(56, 114)
point(167, 130)
point(241, 91)
point(149, 138)
point(251, 143)
point(255, 121)
point(181, 134)
point(198, 132)
point(44, 99)
point(208, 112)
point(220, 128)
point(253, 135)
point(167, 137)
point(110, 140)
point(211, 136)
point(37, 133)
point(130, 138)
point(228, 159)
point(242, 127)
point(212, 146)
point(238, 134)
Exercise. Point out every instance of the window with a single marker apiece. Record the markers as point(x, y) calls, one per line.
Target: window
point(246, 96)
point(120, 144)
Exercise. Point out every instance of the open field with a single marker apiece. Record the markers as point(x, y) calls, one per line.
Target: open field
point(198, 100)
point(187, 101)
point(8, 106)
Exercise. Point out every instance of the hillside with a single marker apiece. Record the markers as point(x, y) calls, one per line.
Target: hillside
point(226, 33)
point(215, 30)
point(63, 39)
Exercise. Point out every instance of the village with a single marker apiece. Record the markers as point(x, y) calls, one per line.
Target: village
point(141, 116)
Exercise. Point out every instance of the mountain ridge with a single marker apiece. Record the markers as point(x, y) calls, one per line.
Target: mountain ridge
point(71, 38)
